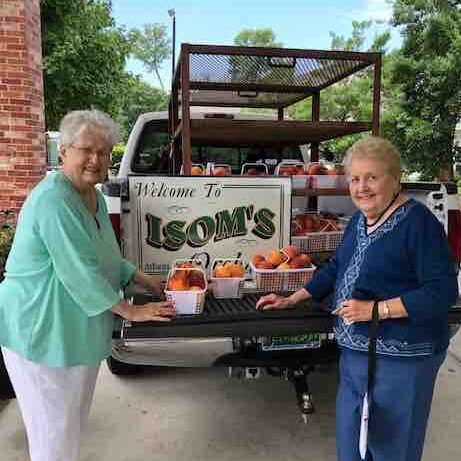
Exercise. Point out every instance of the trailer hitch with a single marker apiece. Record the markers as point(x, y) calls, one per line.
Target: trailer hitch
point(298, 376)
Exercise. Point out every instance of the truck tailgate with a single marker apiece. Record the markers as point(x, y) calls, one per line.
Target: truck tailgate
point(238, 317)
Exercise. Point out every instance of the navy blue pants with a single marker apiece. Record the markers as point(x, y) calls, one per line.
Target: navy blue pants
point(402, 397)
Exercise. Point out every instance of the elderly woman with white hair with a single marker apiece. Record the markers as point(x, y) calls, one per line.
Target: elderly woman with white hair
point(63, 279)
point(393, 281)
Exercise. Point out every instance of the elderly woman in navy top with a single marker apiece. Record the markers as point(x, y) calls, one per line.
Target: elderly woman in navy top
point(394, 250)
point(63, 279)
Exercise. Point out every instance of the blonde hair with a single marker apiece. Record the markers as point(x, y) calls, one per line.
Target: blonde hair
point(74, 122)
point(374, 147)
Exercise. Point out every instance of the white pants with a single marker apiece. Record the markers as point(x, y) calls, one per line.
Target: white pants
point(54, 402)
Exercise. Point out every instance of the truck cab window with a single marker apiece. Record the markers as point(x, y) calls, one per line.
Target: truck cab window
point(152, 151)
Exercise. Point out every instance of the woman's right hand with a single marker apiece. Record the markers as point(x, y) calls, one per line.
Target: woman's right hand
point(274, 301)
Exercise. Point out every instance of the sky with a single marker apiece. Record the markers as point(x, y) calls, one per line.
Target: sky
point(296, 23)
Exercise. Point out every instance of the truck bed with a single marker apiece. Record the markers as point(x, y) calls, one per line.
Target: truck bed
point(238, 317)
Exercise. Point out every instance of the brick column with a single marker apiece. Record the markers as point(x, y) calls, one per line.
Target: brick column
point(22, 143)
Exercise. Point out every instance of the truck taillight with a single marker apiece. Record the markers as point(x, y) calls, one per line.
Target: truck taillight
point(115, 221)
point(454, 234)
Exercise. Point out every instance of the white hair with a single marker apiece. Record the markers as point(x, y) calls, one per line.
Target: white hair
point(76, 121)
point(377, 148)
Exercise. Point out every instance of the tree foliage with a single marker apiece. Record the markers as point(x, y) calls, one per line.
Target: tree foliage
point(84, 56)
point(257, 37)
point(138, 97)
point(429, 72)
point(151, 46)
point(351, 99)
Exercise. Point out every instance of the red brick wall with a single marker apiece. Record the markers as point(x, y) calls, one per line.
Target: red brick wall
point(22, 143)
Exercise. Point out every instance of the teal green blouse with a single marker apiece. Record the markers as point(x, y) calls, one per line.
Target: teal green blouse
point(63, 274)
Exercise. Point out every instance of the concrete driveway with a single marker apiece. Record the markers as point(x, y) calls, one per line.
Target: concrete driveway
point(200, 414)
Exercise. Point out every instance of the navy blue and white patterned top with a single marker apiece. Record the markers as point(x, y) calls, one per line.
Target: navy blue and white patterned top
point(408, 257)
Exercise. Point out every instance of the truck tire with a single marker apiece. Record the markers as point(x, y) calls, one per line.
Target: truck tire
point(122, 369)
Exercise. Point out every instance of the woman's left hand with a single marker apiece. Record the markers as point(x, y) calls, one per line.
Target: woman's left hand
point(355, 310)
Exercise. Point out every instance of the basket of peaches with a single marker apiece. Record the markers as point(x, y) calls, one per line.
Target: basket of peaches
point(281, 270)
point(186, 287)
point(227, 276)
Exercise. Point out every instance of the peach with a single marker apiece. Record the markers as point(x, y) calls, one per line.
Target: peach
point(283, 267)
point(300, 261)
point(196, 278)
point(222, 271)
point(309, 224)
point(196, 171)
point(300, 170)
point(316, 169)
point(264, 265)
point(221, 171)
point(237, 270)
point(181, 274)
point(275, 258)
point(255, 259)
point(177, 285)
point(290, 251)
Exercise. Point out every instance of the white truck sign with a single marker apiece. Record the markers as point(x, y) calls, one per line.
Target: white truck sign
point(203, 217)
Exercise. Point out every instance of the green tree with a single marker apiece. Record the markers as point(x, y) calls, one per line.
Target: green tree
point(249, 69)
point(84, 56)
point(429, 72)
point(151, 46)
point(351, 98)
point(257, 37)
point(138, 97)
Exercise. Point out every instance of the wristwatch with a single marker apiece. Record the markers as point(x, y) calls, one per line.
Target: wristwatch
point(386, 310)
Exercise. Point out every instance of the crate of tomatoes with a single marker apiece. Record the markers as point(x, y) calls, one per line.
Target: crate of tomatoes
point(281, 270)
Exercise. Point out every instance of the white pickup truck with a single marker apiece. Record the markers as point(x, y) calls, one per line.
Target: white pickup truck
point(229, 333)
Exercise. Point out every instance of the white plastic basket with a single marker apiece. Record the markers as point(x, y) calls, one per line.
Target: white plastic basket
point(197, 165)
point(317, 242)
point(228, 287)
point(281, 280)
point(260, 167)
point(289, 164)
point(212, 167)
point(187, 301)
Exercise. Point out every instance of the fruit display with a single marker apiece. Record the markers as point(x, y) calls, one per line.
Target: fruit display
point(316, 233)
point(285, 259)
point(186, 277)
point(227, 276)
point(316, 169)
point(228, 269)
point(219, 169)
point(186, 288)
point(326, 177)
point(281, 270)
point(254, 169)
point(196, 169)
point(290, 169)
point(303, 224)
